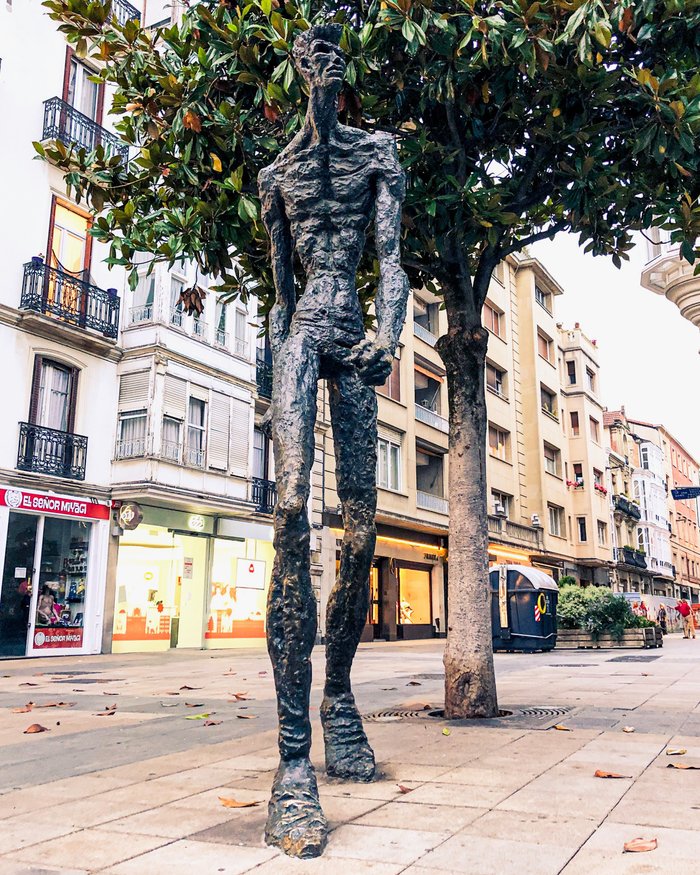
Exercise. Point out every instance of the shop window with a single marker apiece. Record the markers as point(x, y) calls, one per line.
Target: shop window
point(575, 426)
point(131, 440)
point(415, 603)
point(499, 443)
point(494, 320)
point(238, 590)
point(556, 520)
point(429, 472)
point(552, 460)
point(17, 583)
point(388, 464)
point(496, 380)
point(545, 347)
point(196, 432)
point(392, 387)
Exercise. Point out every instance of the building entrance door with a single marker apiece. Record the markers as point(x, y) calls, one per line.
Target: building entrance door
point(17, 578)
point(190, 591)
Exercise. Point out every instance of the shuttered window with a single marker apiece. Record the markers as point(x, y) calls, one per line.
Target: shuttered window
point(133, 391)
point(240, 420)
point(175, 397)
point(219, 429)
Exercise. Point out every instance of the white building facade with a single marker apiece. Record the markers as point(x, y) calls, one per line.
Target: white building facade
point(654, 536)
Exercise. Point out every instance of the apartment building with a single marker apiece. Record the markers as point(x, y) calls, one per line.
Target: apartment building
point(59, 320)
point(667, 273)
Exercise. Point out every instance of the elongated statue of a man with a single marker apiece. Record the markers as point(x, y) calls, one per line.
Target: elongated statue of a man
point(319, 196)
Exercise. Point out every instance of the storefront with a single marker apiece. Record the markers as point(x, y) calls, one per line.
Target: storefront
point(190, 580)
point(53, 573)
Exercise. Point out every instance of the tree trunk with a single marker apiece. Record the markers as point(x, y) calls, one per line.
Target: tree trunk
point(470, 684)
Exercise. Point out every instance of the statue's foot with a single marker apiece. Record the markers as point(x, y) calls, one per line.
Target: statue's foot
point(348, 754)
point(296, 823)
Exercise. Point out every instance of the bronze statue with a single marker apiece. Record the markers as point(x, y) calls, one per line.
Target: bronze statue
point(319, 197)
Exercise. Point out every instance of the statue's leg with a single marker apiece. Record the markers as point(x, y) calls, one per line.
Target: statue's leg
point(295, 822)
point(354, 418)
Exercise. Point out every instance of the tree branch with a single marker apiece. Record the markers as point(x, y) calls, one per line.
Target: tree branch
point(533, 238)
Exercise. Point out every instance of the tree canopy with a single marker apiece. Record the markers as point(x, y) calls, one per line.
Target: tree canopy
point(514, 121)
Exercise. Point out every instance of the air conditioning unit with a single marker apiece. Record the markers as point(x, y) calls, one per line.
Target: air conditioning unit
point(499, 510)
point(535, 519)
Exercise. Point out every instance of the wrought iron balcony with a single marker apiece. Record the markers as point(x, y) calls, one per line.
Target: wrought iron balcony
point(63, 122)
point(264, 376)
point(630, 556)
point(47, 289)
point(49, 451)
point(123, 12)
point(263, 494)
point(624, 505)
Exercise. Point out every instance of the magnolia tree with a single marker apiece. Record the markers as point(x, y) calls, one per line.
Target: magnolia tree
point(514, 122)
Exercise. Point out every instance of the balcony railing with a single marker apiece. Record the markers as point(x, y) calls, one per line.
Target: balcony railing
point(138, 315)
point(629, 556)
point(662, 567)
point(263, 494)
point(49, 451)
point(514, 533)
point(624, 505)
point(65, 123)
point(240, 347)
point(131, 448)
point(428, 501)
point(198, 327)
point(123, 11)
point(171, 451)
point(430, 417)
point(264, 376)
point(221, 337)
point(194, 456)
point(424, 334)
point(176, 317)
point(50, 290)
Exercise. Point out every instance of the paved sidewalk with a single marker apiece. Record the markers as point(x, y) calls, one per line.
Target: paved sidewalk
point(135, 790)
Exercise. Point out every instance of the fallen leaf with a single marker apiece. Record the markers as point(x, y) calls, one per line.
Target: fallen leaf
point(676, 751)
point(234, 803)
point(386, 689)
point(681, 766)
point(445, 731)
point(105, 693)
point(185, 687)
point(56, 705)
point(212, 722)
point(628, 728)
point(78, 690)
point(414, 684)
point(171, 694)
point(109, 711)
point(28, 684)
point(599, 773)
point(562, 728)
point(638, 845)
point(200, 716)
point(261, 674)
point(169, 704)
point(645, 674)
point(194, 704)
point(242, 697)
point(35, 727)
point(230, 673)
point(247, 716)
point(404, 789)
point(28, 707)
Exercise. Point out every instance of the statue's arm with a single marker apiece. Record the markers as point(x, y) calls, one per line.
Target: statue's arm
point(393, 288)
point(277, 225)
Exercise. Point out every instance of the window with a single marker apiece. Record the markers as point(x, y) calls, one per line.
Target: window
point(427, 389)
point(571, 372)
point(575, 428)
point(144, 294)
point(501, 503)
point(498, 442)
point(220, 335)
point(425, 315)
point(544, 299)
point(70, 247)
point(81, 92)
point(171, 440)
point(549, 402)
point(545, 346)
point(578, 473)
point(415, 597)
point(598, 477)
point(499, 272)
point(602, 533)
point(552, 460)
point(495, 380)
point(556, 520)
point(176, 309)
point(53, 402)
point(388, 464)
point(493, 320)
point(240, 332)
point(392, 387)
point(595, 429)
point(644, 453)
point(429, 477)
point(196, 424)
point(581, 529)
point(590, 380)
point(131, 434)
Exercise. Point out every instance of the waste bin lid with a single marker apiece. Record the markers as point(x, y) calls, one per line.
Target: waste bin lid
point(537, 578)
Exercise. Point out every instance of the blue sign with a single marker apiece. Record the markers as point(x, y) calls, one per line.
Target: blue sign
point(686, 492)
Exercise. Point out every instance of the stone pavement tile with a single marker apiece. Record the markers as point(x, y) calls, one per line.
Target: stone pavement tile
point(283, 865)
point(400, 771)
point(673, 814)
point(90, 848)
point(678, 851)
point(244, 828)
point(506, 778)
point(191, 781)
point(381, 844)
point(187, 857)
point(433, 818)
point(175, 821)
point(562, 801)
point(261, 761)
point(41, 796)
point(7, 867)
point(467, 795)
point(532, 826)
point(480, 855)
point(27, 829)
point(381, 790)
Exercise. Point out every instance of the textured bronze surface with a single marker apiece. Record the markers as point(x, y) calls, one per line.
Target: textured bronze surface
point(319, 197)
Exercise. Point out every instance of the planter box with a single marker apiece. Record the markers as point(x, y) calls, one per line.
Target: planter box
point(573, 639)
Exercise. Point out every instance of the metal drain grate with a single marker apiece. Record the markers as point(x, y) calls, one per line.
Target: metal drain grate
point(391, 714)
point(630, 658)
point(81, 680)
point(545, 713)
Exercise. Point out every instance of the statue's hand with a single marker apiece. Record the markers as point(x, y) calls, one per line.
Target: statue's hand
point(373, 361)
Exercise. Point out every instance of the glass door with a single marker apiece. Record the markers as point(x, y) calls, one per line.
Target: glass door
point(17, 580)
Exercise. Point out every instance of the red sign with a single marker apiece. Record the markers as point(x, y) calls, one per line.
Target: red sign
point(42, 502)
point(58, 637)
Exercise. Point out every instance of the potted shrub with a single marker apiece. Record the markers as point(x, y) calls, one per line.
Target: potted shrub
point(597, 617)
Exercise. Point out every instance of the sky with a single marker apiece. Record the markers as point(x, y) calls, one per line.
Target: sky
point(649, 354)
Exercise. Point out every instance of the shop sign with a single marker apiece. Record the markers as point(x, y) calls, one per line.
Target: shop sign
point(130, 515)
point(41, 502)
point(196, 522)
point(188, 568)
point(250, 574)
point(58, 637)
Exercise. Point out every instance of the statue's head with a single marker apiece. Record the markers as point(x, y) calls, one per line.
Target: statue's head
point(318, 56)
